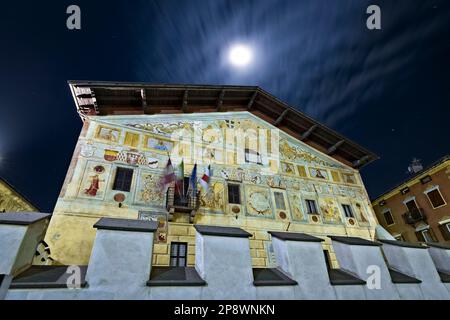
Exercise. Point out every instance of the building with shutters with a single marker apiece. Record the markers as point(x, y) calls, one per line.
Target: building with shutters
point(272, 169)
point(417, 209)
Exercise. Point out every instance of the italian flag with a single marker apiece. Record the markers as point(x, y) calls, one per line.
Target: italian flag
point(204, 181)
point(169, 175)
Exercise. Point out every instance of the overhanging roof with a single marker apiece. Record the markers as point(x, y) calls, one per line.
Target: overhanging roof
point(119, 98)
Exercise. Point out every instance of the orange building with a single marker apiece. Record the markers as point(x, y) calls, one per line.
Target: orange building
point(417, 209)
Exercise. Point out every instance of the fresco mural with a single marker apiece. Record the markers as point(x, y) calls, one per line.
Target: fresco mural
point(94, 181)
point(329, 210)
point(258, 202)
point(149, 191)
point(108, 134)
point(277, 196)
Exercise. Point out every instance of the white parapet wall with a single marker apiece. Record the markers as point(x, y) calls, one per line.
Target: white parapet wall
point(120, 267)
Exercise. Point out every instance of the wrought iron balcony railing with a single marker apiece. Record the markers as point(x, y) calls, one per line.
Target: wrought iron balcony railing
point(413, 216)
point(187, 203)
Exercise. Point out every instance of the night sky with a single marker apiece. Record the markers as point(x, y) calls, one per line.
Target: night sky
point(388, 89)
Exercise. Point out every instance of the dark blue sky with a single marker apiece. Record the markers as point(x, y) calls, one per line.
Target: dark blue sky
point(387, 90)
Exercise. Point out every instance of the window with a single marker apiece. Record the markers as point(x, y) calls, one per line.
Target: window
point(311, 206)
point(252, 156)
point(425, 179)
point(435, 198)
point(122, 181)
point(279, 200)
point(411, 205)
point(428, 235)
point(445, 231)
point(234, 195)
point(131, 139)
point(388, 218)
point(178, 254)
point(347, 211)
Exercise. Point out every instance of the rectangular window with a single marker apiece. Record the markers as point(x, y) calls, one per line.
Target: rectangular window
point(388, 218)
point(435, 198)
point(412, 206)
point(347, 211)
point(122, 181)
point(425, 179)
point(252, 156)
point(311, 206)
point(279, 200)
point(131, 139)
point(428, 235)
point(178, 254)
point(445, 231)
point(234, 195)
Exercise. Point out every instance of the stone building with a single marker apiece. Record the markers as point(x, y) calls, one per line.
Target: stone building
point(273, 168)
point(285, 214)
point(417, 208)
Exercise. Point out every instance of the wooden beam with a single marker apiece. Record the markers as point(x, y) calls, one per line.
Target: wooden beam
point(308, 132)
point(252, 100)
point(361, 161)
point(144, 98)
point(145, 105)
point(281, 117)
point(185, 101)
point(334, 147)
point(220, 101)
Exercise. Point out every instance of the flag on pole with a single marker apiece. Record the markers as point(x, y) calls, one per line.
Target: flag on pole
point(193, 181)
point(204, 181)
point(180, 178)
point(169, 174)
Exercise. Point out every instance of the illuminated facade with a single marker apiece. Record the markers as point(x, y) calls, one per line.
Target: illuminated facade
point(273, 169)
point(12, 201)
point(417, 209)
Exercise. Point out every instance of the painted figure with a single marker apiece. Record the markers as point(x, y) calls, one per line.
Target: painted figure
point(93, 188)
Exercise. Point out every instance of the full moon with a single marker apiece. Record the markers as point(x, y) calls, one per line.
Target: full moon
point(240, 55)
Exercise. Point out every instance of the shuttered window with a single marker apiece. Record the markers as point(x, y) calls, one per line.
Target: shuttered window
point(388, 218)
point(178, 254)
point(122, 181)
point(426, 235)
point(445, 231)
point(412, 206)
point(435, 198)
point(234, 195)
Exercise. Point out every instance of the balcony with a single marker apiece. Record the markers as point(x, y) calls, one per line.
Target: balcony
point(414, 216)
point(175, 203)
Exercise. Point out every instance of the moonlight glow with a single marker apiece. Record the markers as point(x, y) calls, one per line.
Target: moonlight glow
point(240, 55)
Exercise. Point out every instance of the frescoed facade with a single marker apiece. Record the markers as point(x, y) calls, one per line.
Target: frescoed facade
point(263, 176)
